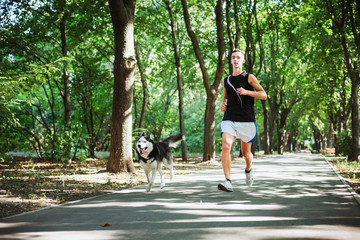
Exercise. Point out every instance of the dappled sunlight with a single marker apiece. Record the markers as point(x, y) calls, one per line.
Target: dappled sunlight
point(288, 200)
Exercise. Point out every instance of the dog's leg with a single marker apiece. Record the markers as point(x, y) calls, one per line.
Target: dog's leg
point(151, 182)
point(169, 164)
point(147, 173)
point(146, 170)
point(161, 176)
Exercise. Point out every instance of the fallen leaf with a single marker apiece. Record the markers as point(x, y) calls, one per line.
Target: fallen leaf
point(106, 225)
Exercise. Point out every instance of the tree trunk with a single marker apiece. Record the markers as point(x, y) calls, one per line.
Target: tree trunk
point(285, 111)
point(355, 82)
point(355, 141)
point(144, 88)
point(212, 91)
point(65, 76)
point(274, 109)
point(92, 144)
point(179, 81)
point(234, 43)
point(281, 139)
point(266, 131)
point(273, 104)
point(209, 133)
point(122, 14)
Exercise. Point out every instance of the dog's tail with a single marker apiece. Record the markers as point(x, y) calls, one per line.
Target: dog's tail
point(174, 140)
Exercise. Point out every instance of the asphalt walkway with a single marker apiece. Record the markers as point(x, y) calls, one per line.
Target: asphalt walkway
point(295, 196)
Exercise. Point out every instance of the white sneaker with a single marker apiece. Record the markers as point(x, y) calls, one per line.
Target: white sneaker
point(226, 186)
point(249, 178)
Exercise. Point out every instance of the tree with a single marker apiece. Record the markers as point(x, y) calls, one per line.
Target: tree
point(144, 88)
point(179, 79)
point(60, 7)
point(253, 49)
point(344, 14)
point(122, 15)
point(212, 91)
point(37, 36)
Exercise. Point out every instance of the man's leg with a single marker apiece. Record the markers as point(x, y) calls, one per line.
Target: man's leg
point(227, 141)
point(246, 150)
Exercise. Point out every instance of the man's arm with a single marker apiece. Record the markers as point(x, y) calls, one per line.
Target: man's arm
point(259, 93)
point(223, 106)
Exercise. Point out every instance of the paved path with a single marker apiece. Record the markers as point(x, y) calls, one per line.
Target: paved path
point(295, 196)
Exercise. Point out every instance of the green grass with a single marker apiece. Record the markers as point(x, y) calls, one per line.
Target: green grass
point(348, 169)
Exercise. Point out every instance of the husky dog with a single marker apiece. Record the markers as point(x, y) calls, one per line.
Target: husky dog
point(153, 154)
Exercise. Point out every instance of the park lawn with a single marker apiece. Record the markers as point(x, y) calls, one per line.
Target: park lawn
point(350, 171)
point(29, 185)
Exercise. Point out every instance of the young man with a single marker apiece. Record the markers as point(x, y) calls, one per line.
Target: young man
point(239, 116)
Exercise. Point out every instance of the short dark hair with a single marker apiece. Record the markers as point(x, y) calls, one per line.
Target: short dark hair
point(238, 50)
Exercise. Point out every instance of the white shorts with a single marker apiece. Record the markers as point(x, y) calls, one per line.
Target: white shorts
point(246, 131)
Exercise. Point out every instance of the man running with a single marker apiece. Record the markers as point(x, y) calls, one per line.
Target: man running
point(240, 89)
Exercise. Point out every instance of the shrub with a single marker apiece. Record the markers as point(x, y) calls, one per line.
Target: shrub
point(343, 144)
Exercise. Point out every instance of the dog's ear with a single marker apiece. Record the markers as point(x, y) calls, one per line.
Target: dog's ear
point(143, 134)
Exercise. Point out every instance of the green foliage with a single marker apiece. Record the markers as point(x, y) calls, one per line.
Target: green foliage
point(299, 44)
point(343, 144)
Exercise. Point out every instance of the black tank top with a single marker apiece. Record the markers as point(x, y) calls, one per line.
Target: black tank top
point(236, 111)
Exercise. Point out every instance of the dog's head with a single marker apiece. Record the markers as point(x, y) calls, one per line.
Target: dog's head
point(144, 145)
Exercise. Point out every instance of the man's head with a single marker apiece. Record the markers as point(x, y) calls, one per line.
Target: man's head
point(239, 51)
point(237, 57)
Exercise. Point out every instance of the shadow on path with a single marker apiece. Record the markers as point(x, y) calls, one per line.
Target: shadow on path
point(295, 196)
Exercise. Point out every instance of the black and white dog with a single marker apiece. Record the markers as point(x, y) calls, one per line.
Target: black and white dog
point(153, 154)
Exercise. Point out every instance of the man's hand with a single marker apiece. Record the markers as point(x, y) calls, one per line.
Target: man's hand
point(242, 91)
point(223, 106)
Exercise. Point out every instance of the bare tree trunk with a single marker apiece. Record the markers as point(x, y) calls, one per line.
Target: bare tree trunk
point(212, 91)
point(122, 14)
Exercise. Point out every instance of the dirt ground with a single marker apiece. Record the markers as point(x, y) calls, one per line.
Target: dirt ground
point(28, 185)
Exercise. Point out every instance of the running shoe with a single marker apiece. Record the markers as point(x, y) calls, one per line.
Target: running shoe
point(226, 186)
point(249, 178)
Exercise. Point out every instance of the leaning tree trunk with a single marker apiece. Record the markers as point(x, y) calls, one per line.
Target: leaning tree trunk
point(122, 14)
